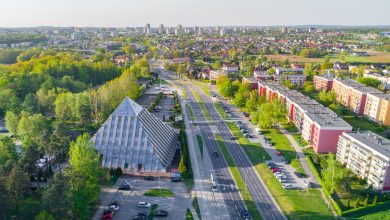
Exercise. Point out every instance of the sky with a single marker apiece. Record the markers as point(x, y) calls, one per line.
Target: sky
point(129, 13)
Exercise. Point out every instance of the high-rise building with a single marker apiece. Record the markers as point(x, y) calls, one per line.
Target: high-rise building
point(147, 28)
point(161, 29)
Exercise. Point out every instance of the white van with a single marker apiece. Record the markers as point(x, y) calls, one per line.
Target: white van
point(214, 187)
point(258, 131)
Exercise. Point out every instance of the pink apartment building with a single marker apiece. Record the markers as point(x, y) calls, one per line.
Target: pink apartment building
point(319, 125)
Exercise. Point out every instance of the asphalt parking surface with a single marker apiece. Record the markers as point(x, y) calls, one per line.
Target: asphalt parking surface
point(176, 206)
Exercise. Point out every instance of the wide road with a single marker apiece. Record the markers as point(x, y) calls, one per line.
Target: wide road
point(261, 196)
point(226, 186)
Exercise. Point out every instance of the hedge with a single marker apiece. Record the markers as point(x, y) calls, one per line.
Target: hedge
point(327, 193)
point(367, 210)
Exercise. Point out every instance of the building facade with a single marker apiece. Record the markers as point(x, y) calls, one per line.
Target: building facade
point(368, 156)
point(323, 83)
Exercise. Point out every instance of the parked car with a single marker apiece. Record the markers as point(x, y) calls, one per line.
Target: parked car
point(276, 170)
point(282, 180)
point(113, 206)
point(285, 161)
point(140, 217)
point(148, 177)
point(244, 213)
point(246, 114)
point(278, 153)
point(233, 138)
point(280, 175)
point(144, 204)
point(161, 213)
point(299, 175)
point(124, 187)
point(287, 186)
point(107, 215)
point(215, 154)
point(258, 131)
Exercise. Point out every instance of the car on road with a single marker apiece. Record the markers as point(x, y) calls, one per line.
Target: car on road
point(215, 154)
point(148, 177)
point(113, 206)
point(144, 204)
point(278, 153)
point(124, 187)
point(161, 213)
point(276, 170)
point(287, 186)
point(214, 187)
point(176, 179)
point(233, 138)
point(246, 114)
point(245, 213)
point(258, 131)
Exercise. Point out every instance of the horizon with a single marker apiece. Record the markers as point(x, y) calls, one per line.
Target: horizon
point(132, 13)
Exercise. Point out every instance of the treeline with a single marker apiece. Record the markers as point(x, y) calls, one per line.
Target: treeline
point(36, 82)
point(13, 38)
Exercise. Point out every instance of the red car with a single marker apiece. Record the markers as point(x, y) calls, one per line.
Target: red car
point(276, 170)
point(107, 215)
point(278, 153)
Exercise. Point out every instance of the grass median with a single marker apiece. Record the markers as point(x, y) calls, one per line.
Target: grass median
point(199, 100)
point(295, 204)
point(200, 143)
point(159, 193)
point(248, 200)
point(192, 116)
point(221, 111)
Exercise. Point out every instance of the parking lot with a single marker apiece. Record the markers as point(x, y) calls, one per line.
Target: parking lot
point(249, 130)
point(128, 200)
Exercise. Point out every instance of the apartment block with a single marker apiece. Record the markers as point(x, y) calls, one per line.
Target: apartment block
point(352, 94)
point(323, 82)
point(377, 108)
point(319, 125)
point(215, 74)
point(367, 155)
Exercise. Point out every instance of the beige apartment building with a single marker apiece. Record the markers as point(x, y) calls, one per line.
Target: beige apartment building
point(367, 155)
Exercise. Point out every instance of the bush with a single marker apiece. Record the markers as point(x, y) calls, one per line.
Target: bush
point(356, 203)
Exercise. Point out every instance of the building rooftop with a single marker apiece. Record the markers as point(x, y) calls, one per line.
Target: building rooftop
point(357, 86)
point(372, 140)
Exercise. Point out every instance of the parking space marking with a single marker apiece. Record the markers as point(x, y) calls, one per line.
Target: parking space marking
point(165, 203)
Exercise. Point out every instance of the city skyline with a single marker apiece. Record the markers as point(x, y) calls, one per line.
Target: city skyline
point(192, 13)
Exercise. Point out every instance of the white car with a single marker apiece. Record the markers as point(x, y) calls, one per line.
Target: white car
point(282, 180)
point(280, 176)
point(287, 186)
point(306, 183)
point(144, 204)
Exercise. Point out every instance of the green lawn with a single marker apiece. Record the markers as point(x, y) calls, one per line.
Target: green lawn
point(250, 204)
point(159, 193)
point(294, 203)
point(364, 124)
point(195, 204)
point(220, 110)
point(200, 143)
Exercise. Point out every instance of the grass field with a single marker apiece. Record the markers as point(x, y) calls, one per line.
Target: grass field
point(295, 204)
point(200, 143)
point(159, 193)
point(221, 111)
point(374, 57)
point(189, 215)
point(248, 200)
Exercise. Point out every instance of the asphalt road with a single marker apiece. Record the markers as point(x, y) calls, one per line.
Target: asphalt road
point(261, 196)
point(227, 189)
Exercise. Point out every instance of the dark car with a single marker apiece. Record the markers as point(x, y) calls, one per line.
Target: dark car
point(149, 178)
point(161, 213)
point(176, 179)
point(245, 213)
point(285, 161)
point(140, 217)
point(124, 187)
point(215, 154)
point(246, 114)
point(299, 175)
point(233, 138)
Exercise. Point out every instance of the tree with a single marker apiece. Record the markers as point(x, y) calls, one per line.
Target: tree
point(326, 64)
point(333, 174)
point(83, 174)
point(18, 186)
point(289, 84)
point(223, 79)
point(11, 122)
point(278, 112)
point(265, 116)
point(44, 215)
point(308, 87)
point(239, 100)
point(59, 143)
point(369, 81)
point(182, 166)
point(29, 159)
point(227, 89)
point(57, 188)
point(30, 103)
point(7, 150)
point(5, 199)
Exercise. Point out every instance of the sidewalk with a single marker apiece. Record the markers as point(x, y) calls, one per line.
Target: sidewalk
point(301, 155)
